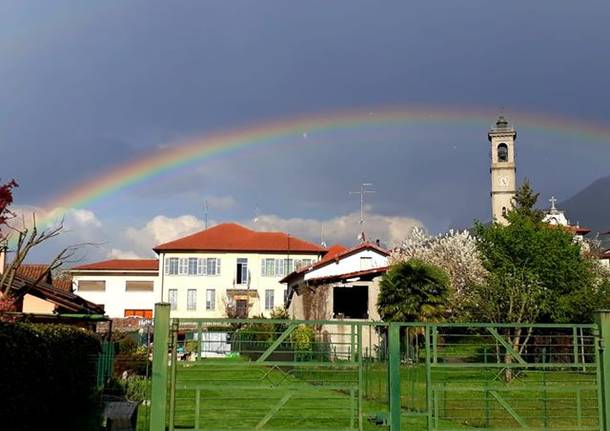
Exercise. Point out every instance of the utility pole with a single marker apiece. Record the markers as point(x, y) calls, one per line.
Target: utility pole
point(364, 189)
point(205, 214)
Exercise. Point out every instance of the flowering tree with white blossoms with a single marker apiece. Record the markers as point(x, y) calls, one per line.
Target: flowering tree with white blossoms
point(455, 251)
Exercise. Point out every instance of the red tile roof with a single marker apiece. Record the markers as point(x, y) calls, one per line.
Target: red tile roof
point(63, 283)
point(34, 272)
point(234, 237)
point(574, 230)
point(121, 264)
point(333, 251)
point(338, 252)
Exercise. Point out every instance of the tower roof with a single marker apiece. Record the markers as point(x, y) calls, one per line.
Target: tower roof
point(502, 127)
point(501, 122)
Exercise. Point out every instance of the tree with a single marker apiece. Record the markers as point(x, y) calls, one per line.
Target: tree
point(455, 252)
point(413, 291)
point(6, 199)
point(536, 259)
point(27, 238)
point(524, 202)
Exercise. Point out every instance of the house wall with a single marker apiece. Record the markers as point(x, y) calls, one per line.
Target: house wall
point(32, 304)
point(339, 334)
point(115, 298)
point(224, 281)
point(364, 259)
point(299, 303)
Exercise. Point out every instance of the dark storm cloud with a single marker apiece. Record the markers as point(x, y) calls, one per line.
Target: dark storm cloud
point(87, 85)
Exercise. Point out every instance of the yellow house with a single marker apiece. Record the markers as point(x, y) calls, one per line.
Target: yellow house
point(230, 270)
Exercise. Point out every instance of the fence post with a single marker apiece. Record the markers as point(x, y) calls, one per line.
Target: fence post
point(603, 322)
point(158, 397)
point(394, 375)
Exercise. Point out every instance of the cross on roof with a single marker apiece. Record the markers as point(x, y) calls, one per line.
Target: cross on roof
point(553, 201)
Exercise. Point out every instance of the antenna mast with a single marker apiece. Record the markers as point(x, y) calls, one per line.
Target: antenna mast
point(364, 189)
point(205, 214)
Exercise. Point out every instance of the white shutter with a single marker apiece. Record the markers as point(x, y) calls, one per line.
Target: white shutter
point(263, 267)
point(202, 267)
point(183, 266)
point(166, 260)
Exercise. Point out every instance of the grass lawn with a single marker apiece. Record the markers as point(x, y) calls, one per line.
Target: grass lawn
point(235, 394)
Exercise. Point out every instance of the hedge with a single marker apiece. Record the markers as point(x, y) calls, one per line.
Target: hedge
point(48, 377)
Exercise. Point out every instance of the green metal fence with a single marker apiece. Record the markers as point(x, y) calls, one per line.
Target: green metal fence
point(105, 363)
point(220, 374)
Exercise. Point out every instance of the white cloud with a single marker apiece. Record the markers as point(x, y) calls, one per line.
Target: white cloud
point(116, 253)
point(72, 218)
point(81, 218)
point(391, 230)
point(83, 226)
point(161, 229)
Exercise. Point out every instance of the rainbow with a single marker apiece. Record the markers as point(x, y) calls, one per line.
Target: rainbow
point(194, 151)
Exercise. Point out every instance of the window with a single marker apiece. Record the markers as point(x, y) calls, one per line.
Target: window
point(91, 286)
point(351, 302)
point(268, 268)
point(201, 267)
point(193, 263)
point(171, 266)
point(282, 267)
point(242, 271)
point(502, 153)
point(302, 263)
point(210, 299)
point(504, 212)
point(289, 265)
point(139, 286)
point(269, 299)
point(183, 268)
point(144, 313)
point(212, 266)
point(285, 296)
point(172, 296)
point(241, 308)
point(191, 300)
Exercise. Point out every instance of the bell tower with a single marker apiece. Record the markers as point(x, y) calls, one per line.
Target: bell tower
point(503, 170)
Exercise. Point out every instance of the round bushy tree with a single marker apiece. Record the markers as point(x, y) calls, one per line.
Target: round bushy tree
point(413, 290)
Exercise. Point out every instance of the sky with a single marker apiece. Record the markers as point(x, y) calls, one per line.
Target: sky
point(89, 86)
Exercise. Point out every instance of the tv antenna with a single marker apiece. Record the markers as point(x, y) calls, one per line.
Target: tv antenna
point(205, 214)
point(364, 189)
point(322, 242)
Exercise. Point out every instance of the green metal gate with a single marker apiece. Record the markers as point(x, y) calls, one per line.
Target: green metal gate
point(221, 374)
point(262, 374)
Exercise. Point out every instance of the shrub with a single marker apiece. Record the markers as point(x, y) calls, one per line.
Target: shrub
point(49, 377)
point(134, 362)
point(303, 338)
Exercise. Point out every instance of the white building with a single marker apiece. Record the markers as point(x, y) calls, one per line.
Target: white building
point(555, 217)
point(230, 270)
point(226, 268)
point(343, 285)
point(125, 287)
